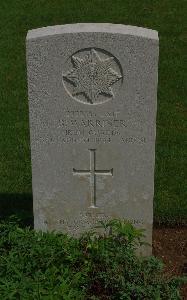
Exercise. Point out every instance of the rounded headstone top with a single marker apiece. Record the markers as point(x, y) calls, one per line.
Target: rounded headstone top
point(92, 27)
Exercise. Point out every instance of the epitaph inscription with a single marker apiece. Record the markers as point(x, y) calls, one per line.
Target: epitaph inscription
point(92, 173)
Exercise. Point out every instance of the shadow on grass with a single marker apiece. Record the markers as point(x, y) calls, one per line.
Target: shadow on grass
point(20, 205)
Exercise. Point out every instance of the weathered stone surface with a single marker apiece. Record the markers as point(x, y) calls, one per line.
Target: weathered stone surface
point(92, 102)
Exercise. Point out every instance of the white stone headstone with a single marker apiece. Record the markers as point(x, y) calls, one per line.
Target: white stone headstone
point(92, 102)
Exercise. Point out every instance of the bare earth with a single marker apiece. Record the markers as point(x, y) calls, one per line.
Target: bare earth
point(170, 244)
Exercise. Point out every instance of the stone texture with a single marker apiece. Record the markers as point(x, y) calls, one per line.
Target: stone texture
point(92, 103)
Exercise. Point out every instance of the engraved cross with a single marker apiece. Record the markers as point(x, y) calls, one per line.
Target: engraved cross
point(92, 172)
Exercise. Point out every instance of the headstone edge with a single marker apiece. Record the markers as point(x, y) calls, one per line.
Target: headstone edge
point(92, 27)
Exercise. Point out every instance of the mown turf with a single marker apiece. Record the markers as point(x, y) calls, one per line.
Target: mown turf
point(166, 16)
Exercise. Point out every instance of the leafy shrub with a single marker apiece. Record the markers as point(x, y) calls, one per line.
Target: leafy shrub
point(52, 266)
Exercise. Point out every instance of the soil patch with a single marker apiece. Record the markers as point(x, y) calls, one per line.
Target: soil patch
point(170, 245)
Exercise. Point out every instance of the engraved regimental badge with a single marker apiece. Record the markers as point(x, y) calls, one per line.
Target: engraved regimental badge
point(93, 77)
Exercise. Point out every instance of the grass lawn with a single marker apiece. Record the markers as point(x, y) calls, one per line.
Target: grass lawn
point(168, 17)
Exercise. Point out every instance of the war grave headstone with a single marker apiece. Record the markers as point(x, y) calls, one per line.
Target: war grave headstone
point(92, 106)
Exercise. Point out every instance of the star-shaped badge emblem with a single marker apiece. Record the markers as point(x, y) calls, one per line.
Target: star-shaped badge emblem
point(92, 76)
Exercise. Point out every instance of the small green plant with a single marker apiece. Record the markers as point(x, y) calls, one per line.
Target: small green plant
point(36, 265)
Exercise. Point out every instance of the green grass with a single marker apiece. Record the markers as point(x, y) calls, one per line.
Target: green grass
point(166, 16)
